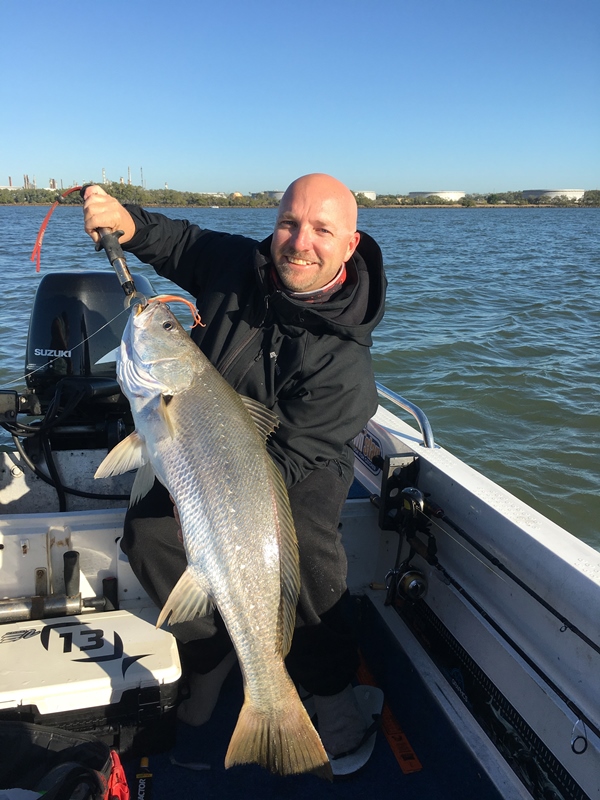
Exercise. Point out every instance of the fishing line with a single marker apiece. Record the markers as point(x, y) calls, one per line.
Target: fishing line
point(52, 360)
point(460, 544)
point(163, 298)
point(54, 416)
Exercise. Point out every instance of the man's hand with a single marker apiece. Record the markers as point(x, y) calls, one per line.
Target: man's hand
point(100, 210)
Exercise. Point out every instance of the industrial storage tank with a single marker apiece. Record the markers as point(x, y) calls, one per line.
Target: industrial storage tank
point(552, 194)
point(452, 196)
point(368, 194)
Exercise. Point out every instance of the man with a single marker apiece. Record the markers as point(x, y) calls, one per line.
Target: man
point(288, 323)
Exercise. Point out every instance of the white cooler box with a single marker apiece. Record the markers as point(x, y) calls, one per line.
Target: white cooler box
point(111, 672)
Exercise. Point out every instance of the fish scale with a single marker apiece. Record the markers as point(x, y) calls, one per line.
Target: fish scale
point(206, 444)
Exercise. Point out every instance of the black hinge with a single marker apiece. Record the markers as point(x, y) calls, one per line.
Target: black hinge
point(399, 471)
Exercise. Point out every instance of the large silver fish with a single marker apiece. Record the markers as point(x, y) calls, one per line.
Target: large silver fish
point(206, 444)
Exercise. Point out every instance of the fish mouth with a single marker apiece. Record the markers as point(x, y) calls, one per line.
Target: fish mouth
point(142, 314)
point(149, 308)
point(159, 300)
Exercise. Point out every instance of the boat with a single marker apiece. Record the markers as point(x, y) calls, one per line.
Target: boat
point(477, 615)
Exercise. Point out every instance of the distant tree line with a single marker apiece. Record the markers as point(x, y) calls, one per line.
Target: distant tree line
point(128, 193)
point(591, 198)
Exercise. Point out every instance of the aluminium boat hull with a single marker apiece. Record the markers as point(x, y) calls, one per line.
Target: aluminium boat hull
point(500, 622)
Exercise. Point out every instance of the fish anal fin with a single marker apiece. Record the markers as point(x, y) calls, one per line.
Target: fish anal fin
point(188, 600)
point(265, 420)
point(284, 742)
point(128, 454)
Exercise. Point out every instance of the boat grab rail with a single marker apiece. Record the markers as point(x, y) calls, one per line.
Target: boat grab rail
point(417, 413)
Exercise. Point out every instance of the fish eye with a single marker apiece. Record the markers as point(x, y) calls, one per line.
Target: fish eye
point(167, 325)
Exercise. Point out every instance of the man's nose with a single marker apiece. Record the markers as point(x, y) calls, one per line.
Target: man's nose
point(301, 238)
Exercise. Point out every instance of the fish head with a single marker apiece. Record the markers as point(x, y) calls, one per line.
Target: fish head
point(157, 354)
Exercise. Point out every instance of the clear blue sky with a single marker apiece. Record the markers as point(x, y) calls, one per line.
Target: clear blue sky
point(245, 95)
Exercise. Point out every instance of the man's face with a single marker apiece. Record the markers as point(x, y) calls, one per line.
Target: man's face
point(314, 235)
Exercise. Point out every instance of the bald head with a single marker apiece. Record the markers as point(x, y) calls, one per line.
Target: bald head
point(321, 188)
point(315, 232)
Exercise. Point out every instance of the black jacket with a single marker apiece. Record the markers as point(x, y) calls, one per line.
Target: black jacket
point(310, 363)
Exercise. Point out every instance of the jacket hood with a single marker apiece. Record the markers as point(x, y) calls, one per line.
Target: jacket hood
point(352, 313)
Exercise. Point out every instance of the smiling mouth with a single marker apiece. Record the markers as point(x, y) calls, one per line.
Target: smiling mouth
point(297, 261)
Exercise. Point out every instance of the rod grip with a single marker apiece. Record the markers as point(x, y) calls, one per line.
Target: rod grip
point(111, 594)
point(71, 572)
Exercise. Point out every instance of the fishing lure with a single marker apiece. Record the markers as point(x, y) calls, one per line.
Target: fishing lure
point(170, 298)
point(36, 253)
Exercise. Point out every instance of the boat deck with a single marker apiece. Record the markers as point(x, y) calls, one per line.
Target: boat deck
point(487, 680)
point(420, 757)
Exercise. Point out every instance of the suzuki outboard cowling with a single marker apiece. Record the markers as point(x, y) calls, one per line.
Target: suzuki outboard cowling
point(75, 321)
point(78, 317)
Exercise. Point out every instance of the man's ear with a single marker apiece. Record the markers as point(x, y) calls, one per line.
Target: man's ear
point(352, 245)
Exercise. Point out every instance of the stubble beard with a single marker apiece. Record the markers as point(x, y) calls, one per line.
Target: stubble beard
point(292, 277)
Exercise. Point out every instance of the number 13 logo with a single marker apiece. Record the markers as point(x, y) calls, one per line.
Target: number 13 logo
point(85, 639)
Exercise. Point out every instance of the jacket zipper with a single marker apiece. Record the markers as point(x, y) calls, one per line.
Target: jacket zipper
point(228, 362)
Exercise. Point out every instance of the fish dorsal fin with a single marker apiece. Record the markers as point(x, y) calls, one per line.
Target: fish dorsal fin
point(187, 600)
point(129, 454)
point(265, 420)
point(144, 481)
point(290, 566)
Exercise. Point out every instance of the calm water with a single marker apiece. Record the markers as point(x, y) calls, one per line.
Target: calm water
point(492, 327)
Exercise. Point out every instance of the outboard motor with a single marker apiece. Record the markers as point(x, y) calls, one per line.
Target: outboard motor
point(75, 322)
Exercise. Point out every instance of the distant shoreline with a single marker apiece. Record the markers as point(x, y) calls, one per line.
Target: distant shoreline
point(362, 208)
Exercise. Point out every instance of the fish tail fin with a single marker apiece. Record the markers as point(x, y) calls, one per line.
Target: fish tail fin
point(285, 742)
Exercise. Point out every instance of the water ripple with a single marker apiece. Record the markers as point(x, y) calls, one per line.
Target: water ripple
point(492, 327)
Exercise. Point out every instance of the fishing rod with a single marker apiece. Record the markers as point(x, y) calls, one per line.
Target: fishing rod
point(78, 395)
point(69, 392)
point(109, 242)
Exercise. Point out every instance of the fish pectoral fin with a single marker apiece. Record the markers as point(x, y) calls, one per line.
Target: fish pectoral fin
point(143, 482)
point(188, 600)
point(163, 410)
point(265, 420)
point(129, 454)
